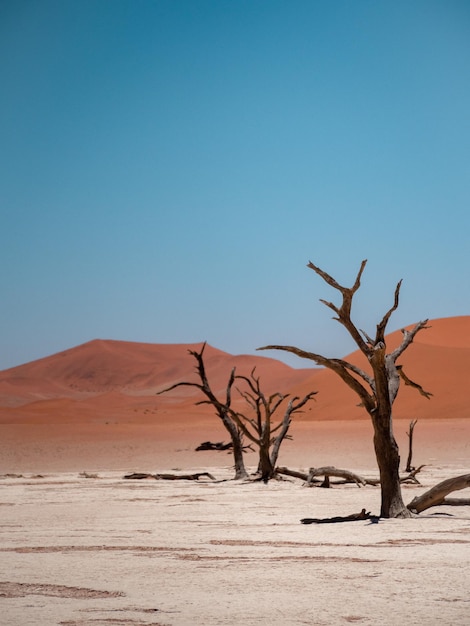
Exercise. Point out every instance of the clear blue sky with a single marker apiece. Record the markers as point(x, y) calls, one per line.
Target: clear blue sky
point(169, 167)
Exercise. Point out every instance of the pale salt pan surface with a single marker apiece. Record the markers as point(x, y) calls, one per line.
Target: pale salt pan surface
point(106, 551)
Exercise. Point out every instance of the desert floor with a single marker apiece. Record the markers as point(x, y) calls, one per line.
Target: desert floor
point(101, 550)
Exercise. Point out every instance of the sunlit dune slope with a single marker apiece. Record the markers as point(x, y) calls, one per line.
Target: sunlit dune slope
point(119, 380)
point(438, 360)
point(106, 381)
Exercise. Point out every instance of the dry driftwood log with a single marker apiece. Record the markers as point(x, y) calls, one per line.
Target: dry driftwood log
point(436, 496)
point(141, 476)
point(348, 518)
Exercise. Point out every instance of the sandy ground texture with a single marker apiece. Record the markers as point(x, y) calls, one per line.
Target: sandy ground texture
point(98, 550)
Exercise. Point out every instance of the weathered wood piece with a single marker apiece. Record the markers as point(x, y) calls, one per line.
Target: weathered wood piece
point(337, 473)
point(141, 476)
point(436, 495)
point(346, 475)
point(219, 446)
point(355, 517)
point(288, 472)
point(411, 477)
point(455, 502)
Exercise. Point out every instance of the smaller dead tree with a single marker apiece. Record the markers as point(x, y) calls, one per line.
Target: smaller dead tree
point(222, 408)
point(409, 467)
point(257, 425)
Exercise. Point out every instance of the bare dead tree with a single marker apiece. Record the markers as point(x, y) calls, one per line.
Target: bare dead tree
point(258, 425)
point(222, 408)
point(409, 468)
point(377, 390)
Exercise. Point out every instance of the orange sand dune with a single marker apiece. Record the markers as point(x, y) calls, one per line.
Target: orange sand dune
point(117, 381)
point(95, 406)
point(438, 360)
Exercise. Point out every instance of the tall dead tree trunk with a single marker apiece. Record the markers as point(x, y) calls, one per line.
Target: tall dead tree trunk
point(377, 390)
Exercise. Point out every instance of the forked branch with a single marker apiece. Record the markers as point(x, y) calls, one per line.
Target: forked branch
point(408, 336)
point(344, 311)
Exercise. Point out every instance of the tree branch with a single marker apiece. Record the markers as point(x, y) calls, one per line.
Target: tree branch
point(380, 336)
point(337, 366)
point(344, 312)
point(408, 336)
point(409, 382)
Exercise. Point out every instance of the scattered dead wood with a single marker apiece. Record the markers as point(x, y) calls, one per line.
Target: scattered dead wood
point(208, 445)
point(326, 472)
point(288, 472)
point(355, 517)
point(337, 473)
point(411, 477)
point(436, 496)
point(141, 476)
point(346, 475)
point(454, 502)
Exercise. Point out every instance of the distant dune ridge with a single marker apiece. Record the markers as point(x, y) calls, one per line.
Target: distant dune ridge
point(105, 379)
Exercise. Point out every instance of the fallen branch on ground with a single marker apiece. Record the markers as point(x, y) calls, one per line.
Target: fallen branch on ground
point(411, 477)
point(348, 476)
point(454, 502)
point(288, 472)
point(337, 473)
point(436, 496)
point(326, 472)
point(141, 476)
point(208, 445)
point(363, 515)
